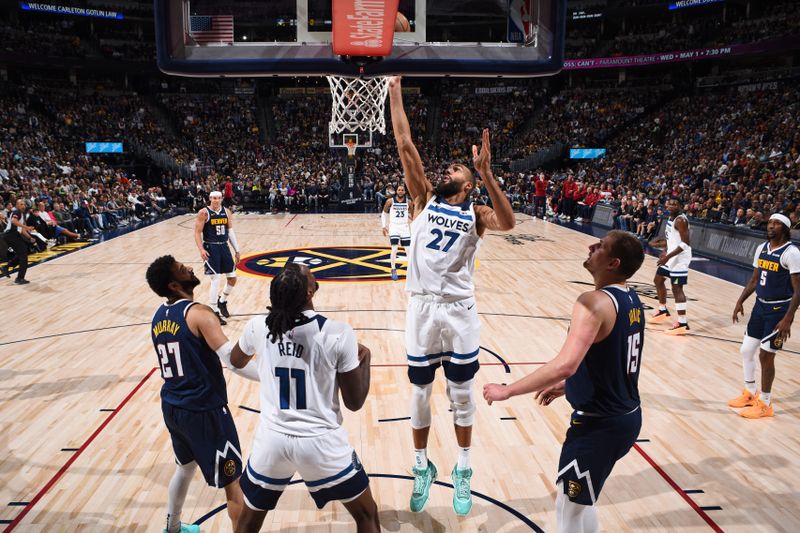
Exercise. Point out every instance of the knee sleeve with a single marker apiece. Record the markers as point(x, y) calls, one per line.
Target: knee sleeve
point(573, 517)
point(421, 405)
point(749, 348)
point(462, 402)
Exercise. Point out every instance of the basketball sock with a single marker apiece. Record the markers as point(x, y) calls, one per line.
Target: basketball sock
point(750, 386)
point(463, 458)
point(226, 292)
point(766, 397)
point(681, 308)
point(178, 487)
point(213, 292)
point(421, 459)
point(394, 256)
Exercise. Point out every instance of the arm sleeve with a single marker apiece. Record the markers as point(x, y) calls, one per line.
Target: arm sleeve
point(232, 238)
point(790, 259)
point(347, 351)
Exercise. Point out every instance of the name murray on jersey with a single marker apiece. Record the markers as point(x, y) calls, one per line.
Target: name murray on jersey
point(166, 326)
point(449, 223)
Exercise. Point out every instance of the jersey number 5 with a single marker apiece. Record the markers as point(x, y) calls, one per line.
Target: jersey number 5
point(763, 278)
point(434, 244)
point(169, 357)
point(634, 352)
point(299, 376)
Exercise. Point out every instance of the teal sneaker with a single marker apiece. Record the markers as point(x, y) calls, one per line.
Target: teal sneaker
point(462, 495)
point(423, 479)
point(187, 528)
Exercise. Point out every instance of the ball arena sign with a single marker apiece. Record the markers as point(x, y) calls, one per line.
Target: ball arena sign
point(328, 263)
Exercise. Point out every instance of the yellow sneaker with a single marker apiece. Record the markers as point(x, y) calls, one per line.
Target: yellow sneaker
point(678, 329)
point(746, 399)
point(759, 410)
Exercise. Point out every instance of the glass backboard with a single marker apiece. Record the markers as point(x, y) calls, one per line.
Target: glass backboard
point(286, 38)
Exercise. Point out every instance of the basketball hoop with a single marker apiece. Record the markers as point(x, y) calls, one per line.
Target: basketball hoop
point(358, 104)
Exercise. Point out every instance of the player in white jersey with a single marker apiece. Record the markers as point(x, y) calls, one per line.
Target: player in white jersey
point(673, 264)
point(398, 211)
point(442, 326)
point(304, 360)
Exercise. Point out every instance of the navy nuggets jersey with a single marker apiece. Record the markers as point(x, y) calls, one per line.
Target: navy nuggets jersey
point(191, 370)
point(607, 380)
point(775, 268)
point(216, 227)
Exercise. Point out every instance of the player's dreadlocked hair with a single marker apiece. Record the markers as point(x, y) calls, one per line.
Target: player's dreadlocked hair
point(287, 293)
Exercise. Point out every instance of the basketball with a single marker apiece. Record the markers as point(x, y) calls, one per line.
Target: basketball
point(401, 23)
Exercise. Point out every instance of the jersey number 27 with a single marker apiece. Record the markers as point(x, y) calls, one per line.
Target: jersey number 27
point(169, 357)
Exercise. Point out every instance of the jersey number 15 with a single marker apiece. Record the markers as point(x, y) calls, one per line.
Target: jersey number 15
point(634, 352)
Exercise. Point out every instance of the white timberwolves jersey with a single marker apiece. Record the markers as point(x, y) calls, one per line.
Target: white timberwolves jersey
point(444, 243)
point(673, 238)
point(299, 392)
point(398, 218)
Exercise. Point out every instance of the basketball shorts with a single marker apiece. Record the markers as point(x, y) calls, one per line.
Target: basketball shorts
point(762, 323)
point(328, 465)
point(220, 260)
point(208, 437)
point(676, 269)
point(445, 334)
point(400, 235)
point(592, 447)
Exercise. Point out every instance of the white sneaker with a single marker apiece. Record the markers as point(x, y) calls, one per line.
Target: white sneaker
point(579, 219)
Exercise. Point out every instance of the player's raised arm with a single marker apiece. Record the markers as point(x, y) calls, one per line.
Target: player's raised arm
point(200, 221)
point(418, 185)
point(500, 216)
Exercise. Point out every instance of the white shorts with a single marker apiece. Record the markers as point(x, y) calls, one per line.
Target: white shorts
point(328, 465)
point(678, 266)
point(442, 334)
point(400, 235)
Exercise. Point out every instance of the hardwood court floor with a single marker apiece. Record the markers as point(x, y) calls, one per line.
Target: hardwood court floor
point(77, 372)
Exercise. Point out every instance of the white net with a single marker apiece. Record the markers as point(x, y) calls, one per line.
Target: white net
point(358, 104)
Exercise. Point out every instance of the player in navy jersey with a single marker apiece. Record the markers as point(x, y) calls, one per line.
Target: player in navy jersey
point(598, 369)
point(776, 282)
point(442, 324)
point(189, 343)
point(213, 229)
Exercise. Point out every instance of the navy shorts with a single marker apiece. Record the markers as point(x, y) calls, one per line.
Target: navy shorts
point(208, 437)
point(219, 259)
point(680, 279)
point(762, 324)
point(402, 241)
point(592, 447)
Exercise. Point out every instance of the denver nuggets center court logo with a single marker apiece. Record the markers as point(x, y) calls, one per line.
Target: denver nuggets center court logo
point(329, 263)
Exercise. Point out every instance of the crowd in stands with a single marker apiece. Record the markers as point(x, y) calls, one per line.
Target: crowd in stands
point(582, 117)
